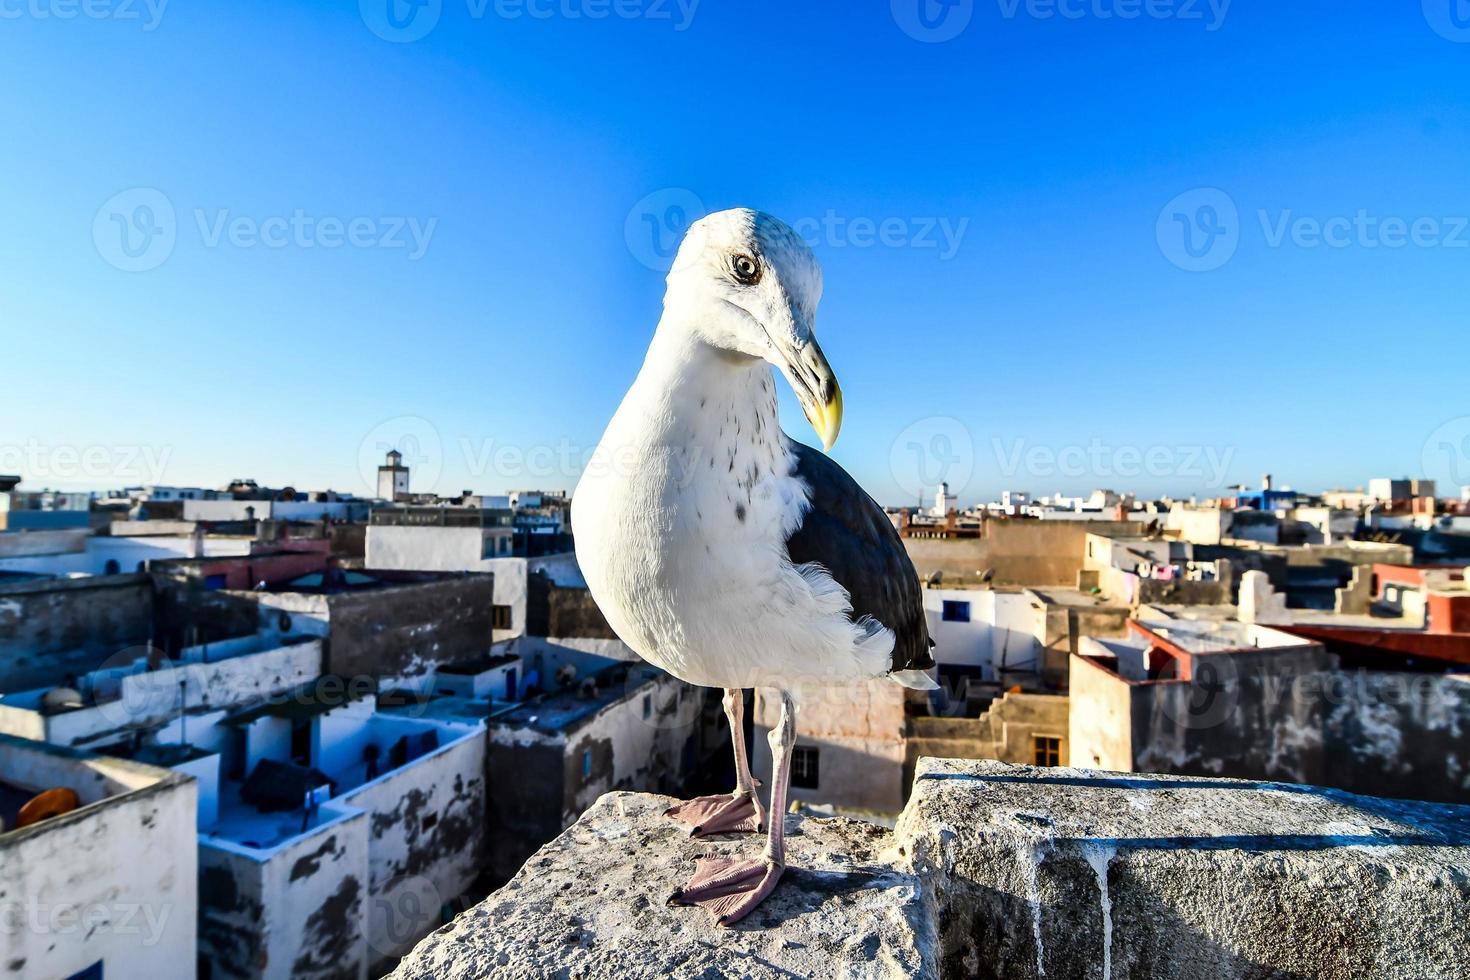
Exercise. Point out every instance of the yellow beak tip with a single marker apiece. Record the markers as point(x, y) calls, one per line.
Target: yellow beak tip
point(829, 421)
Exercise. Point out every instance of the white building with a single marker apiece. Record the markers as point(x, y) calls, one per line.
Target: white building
point(107, 887)
point(451, 539)
point(944, 502)
point(984, 629)
point(393, 477)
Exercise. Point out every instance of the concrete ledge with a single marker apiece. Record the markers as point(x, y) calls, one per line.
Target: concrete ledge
point(592, 904)
point(1000, 871)
point(1073, 873)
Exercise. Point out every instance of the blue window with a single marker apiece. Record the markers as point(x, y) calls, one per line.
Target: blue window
point(956, 612)
point(586, 763)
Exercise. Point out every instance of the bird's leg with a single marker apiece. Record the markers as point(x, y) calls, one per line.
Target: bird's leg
point(739, 812)
point(732, 887)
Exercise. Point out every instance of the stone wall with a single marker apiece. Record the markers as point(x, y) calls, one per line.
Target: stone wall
point(1006, 732)
point(999, 871)
point(555, 610)
point(1264, 716)
point(1074, 873)
point(431, 622)
point(1019, 552)
point(55, 627)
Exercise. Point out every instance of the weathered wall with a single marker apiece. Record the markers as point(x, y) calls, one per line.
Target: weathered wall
point(1075, 873)
point(555, 610)
point(1004, 872)
point(1020, 552)
point(1099, 718)
point(525, 789)
point(398, 631)
point(858, 731)
point(1005, 732)
point(1394, 734)
point(1065, 625)
point(52, 628)
point(426, 841)
point(113, 882)
point(537, 782)
point(187, 613)
point(150, 699)
point(630, 751)
point(297, 912)
point(1294, 718)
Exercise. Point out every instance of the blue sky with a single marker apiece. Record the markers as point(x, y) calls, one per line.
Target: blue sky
point(1057, 339)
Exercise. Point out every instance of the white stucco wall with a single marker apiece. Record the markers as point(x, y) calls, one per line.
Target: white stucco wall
point(426, 824)
point(1005, 628)
point(114, 882)
point(152, 697)
point(128, 552)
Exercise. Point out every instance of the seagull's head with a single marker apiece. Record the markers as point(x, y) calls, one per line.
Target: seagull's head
point(748, 285)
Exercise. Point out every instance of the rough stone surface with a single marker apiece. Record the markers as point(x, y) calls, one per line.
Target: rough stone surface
point(1002, 871)
point(592, 904)
point(1075, 873)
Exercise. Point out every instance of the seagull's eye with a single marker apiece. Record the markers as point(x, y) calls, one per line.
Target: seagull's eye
point(747, 270)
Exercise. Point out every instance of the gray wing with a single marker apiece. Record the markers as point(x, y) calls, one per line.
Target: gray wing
point(847, 533)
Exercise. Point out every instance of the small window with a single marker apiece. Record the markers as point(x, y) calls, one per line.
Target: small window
point(804, 770)
point(502, 618)
point(956, 612)
point(586, 763)
point(1046, 750)
point(648, 705)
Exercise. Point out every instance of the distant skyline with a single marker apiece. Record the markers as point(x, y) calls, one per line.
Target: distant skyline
point(1164, 253)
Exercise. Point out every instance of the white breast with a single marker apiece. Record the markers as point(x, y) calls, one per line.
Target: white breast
point(680, 522)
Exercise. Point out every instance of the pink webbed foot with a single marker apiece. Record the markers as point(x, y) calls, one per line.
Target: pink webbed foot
point(729, 887)
point(739, 813)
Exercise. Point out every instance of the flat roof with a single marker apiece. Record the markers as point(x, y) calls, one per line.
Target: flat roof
point(560, 711)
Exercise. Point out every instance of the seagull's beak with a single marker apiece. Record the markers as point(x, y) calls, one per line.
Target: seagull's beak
point(816, 388)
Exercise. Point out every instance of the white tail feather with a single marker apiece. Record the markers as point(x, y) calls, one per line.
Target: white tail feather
point(915, 680)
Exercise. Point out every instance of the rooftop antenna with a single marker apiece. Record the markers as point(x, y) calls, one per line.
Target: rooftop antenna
point(183, 714)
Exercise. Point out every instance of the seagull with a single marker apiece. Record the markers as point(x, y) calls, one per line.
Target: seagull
point(724, 552)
